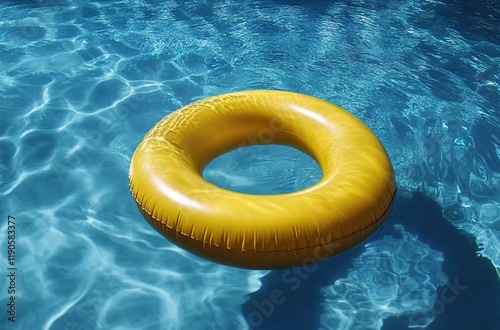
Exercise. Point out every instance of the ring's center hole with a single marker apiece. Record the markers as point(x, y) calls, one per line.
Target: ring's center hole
point(263, 169)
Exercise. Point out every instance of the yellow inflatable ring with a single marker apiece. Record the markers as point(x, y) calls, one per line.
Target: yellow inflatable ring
point(262, 231)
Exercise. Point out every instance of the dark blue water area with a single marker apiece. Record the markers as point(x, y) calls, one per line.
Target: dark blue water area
point(472, 17)
point(472, 294)
point(478, 19)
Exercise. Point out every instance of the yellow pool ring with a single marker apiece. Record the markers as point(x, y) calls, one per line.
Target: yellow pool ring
point(262, 231)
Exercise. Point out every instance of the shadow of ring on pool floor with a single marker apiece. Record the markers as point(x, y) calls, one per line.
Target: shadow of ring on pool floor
point(298, 295)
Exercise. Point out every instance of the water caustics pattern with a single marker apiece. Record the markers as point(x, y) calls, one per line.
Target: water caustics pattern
point(393, 276)
point(81, 82)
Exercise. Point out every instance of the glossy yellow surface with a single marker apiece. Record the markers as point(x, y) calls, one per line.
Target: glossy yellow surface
point(262, 231)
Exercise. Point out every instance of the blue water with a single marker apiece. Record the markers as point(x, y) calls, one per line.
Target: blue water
point(81, 82)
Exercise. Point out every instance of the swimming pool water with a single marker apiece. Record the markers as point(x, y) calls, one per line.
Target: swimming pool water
point(81, 82)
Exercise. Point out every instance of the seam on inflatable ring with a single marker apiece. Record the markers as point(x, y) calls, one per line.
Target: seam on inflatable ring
point(269, 251)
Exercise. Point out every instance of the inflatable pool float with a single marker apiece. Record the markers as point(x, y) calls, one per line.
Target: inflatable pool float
point(262, 231)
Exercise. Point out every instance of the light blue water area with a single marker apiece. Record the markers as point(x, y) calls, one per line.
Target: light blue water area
point(81, 82)
point(263, 169)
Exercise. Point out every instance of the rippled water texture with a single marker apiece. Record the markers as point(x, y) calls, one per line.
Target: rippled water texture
point(81, 82)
